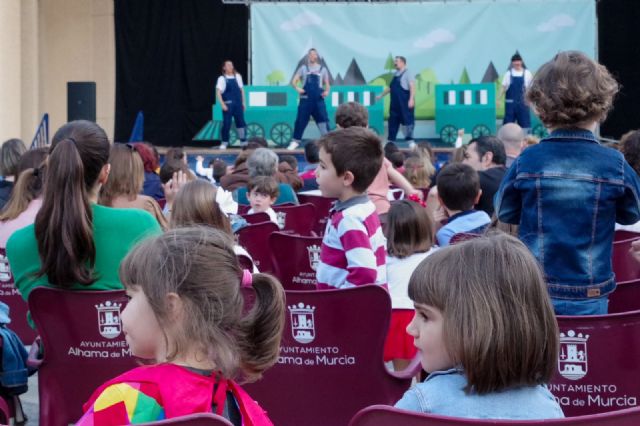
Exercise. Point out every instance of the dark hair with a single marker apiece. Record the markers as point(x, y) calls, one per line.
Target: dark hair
point(10, 154)
point(31, 176)
point(356, 150)
point(409, 229)
point(350, 114)
point(64, 224)
point(290, 160)
point(256, 142)
point(396, 158)
point(572, 89)
point(390, 148)
point(176, 154)
point(266, 185)
point(630, 148)
point(219, 169)
point(200, 266)
point(493, 145)
point(458, 186)
point(170, 167)
point(311, 153)
point(402, 58)
point(224, 63)
point(498, 323)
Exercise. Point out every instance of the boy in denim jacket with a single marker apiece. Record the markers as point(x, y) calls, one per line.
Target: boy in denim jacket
point(567, 192)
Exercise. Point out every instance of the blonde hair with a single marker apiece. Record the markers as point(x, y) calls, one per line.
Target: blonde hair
point(196, 204)
point(409, 229)
point(126, 176)
point(29, 185)
point(416, 172)
point(498, 321)
point(200, 266)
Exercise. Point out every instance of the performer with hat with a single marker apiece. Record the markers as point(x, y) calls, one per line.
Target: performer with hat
point(515, 83)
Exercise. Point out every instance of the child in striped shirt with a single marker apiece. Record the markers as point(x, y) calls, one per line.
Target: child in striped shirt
point(353, 247)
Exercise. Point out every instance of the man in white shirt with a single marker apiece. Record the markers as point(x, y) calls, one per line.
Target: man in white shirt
point(514, 83)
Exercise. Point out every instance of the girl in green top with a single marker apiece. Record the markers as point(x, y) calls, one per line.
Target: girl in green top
point(75, 243)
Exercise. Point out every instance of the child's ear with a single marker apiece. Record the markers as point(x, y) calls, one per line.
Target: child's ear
point(478, 197)
point(348, 178)
point(175, 306)
point(488, 158)
point(104, 174)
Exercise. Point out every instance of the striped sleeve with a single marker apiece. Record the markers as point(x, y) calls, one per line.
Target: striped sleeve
point(360, 257)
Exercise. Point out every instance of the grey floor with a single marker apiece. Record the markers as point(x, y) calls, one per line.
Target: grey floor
point(30, 403)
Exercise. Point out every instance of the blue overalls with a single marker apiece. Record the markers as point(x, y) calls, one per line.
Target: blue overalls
point(399, 111)
point(515, 108)
point(232, 97)
point(311, 104)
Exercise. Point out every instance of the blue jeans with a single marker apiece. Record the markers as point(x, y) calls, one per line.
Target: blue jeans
point(598, 306)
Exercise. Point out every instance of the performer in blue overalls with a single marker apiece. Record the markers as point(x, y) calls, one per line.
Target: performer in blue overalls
point(230, 93)
point(402, 108)
point(315, 87)
point(515, 83)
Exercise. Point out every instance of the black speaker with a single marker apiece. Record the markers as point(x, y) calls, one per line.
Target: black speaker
point(81, 100)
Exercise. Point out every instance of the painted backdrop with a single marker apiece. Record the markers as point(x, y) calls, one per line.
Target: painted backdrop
point(443, 42)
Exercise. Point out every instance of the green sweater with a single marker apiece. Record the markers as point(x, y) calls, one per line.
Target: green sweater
point(115, 232)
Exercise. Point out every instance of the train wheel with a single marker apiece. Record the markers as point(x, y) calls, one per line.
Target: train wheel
point(281, 134)
point(540, 131)
point(254, 130)
point(480, 130)
point(449, 134)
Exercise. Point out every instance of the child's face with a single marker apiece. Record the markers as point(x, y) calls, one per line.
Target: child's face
point(330, 184)
point(140, 325)
point(260, 202)
point(426, 329)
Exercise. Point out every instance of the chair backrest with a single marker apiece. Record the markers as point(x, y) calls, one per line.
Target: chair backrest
point(298, 219)
point(625, 298)
point(625, 235)
point(245, 262)
point(256, 217)
point(624, 265)
point(330, 363)
point(83, 347)
point(379, 415)
point(295, 259)
point(463, 236)
point(17, 306)
point(255, 239)
point(598, 366)
point(323, 205)
point(204, 419)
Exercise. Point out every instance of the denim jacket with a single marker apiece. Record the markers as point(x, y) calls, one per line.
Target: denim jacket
point(567, 193)
point(443, 393)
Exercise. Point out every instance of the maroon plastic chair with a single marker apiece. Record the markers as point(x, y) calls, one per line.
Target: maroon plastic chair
point(254, 218)
point(330, 363)
point(625, 298)
point(162, 202)
point(598, 366)
point(380, 415)
point(295, 259)
point(255, 239)
point(243, 209)
point(205, 419)
point(83, 347)
point(463, 236)
point(245, 262)
point(298, 219)
point(17, 306)
point(625, 235)
point(323, 205)
point(625, 266)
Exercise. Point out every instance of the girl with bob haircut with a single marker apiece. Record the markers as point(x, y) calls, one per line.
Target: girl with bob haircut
point(568, 192)
point(485, 331)
point(418, 171)
point(124, 185)
point(186, 313)
point(409, 230)
point(76, 243)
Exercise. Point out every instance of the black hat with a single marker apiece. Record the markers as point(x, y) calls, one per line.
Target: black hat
point(516, 57)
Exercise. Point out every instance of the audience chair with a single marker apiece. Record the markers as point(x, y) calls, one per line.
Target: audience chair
point(463, 236)
point(380, 415)
point(255, 239)
point(323, 206)
point(245, 262)
point(598, 366)
point(299, 219)
point(254, 218)
point(625, 235)
point(205, 419)
point(330, 363)
point(295, 259)
point(625, 298)
point(13, 299)
point(83, 345)
point(625, 266)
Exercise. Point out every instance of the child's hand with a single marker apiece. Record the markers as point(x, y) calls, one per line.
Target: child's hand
point(460, 133)
point(635, 250)
point(199, 158)
point(172, 187)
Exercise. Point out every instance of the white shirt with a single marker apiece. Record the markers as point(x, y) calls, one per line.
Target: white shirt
point(528, 77)
point(205, 171)
point(398, 273)
point(240, 251)
point(272, 214)
point(222, 82)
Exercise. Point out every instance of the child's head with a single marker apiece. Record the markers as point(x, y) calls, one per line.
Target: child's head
point(187, 304)
point(219, 169)
point(262, 192)
point(173, 166)
point(127, 174)
point(149, 159)
point(397, 159)
point(572, 90)
point(291, 161)
point(416, 172)
point(311, 153)
point(349, 161)
point(10, 154)
point(458, 187)
point(196, 204)
point(483, 305)
point(352, 114)
point(630, 147)
point(29, 185)
point(409, 229)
